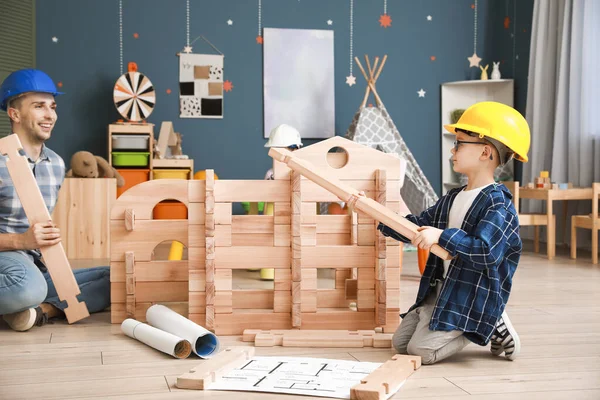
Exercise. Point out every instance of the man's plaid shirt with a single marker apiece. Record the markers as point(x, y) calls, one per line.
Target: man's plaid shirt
point(49, 172)
point(487, 249)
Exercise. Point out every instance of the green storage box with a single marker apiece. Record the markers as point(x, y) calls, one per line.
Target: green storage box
point(130, 159)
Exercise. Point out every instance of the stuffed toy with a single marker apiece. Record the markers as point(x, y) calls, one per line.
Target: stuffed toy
point(86, 165)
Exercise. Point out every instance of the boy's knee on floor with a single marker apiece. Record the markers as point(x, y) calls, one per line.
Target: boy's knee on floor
point(427, 354)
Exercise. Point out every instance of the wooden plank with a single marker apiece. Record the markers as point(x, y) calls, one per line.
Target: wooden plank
point(336, 319)
point(333, 224)
point(250, 224)
point(333, 239)
point(282, 301)
point(85, 234)
point(338, 256)
point(366, 235)
point(144, 196)
point(235, 323)
point(253, 299)
point(36, 211)
point(196, 214)
point(315, 193)
point(332, 298)
point(350, 195)
point(386, 379)
point(283, 235)
point(223, 236)
point(253, 239)
point(212, 369)
point(141, 242)
point(223, 214)
point(318, 338)
point(253, 257)
point(161, 291)
point(252, 190)
point(152, 271)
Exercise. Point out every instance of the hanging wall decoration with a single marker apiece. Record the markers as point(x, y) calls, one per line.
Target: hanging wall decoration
point(385, 20)
point(351, 79)
point(474, 60)
point(259, 38)
point(200, 80)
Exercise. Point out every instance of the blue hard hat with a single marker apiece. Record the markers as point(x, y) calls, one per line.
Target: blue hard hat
point(23, 81)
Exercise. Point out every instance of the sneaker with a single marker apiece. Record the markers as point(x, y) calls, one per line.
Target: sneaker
point(505, 339)
point(25, 320)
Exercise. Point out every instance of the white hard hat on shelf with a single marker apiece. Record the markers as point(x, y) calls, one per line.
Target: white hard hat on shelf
point(284, 136)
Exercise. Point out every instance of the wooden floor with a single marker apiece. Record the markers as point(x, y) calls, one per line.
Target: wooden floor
point(554, 305)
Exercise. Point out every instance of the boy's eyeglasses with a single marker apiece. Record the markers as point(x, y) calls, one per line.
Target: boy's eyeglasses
point(457, 143)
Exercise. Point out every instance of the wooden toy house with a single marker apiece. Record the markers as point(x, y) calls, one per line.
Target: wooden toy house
point(295, 241)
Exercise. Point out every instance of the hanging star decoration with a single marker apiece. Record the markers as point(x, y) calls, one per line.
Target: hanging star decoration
point(474, 60)
point(385, 20)
point(429, 18)
point(421, 93)
point(227, 86)
point(55, 39)
point(187, 49)
point(351, 80)
point(229, 22)
point(259, 39)
point(329, 22)
point(168, 91)
point(59, 84)
point(506, 22)
point(432, 58)
point(136, 35)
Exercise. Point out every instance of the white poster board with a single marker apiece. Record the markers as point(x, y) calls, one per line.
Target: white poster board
point(299, 84)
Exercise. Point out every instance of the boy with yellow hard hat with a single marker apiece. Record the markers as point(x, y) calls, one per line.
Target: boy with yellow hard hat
point(463, 300)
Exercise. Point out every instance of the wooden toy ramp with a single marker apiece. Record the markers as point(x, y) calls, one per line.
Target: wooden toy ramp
point(350, 195)
point(36, 211)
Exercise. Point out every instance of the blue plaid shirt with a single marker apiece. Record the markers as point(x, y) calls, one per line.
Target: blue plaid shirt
point(487, 249)
point(49, 172)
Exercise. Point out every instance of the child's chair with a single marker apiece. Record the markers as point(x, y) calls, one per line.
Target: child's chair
point(535, 220)
point(590, 221)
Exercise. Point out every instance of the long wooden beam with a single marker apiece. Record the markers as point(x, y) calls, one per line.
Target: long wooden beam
point(35, 208)
point(352, 197)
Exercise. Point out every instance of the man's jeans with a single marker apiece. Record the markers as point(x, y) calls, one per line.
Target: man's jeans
point(23, 285)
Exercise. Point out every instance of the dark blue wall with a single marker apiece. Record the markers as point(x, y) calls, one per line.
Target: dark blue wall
point(86, 60)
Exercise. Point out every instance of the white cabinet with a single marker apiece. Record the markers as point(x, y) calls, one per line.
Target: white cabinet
point(461, 95)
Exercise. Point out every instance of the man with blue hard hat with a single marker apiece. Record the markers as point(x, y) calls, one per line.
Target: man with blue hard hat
point(27, 294)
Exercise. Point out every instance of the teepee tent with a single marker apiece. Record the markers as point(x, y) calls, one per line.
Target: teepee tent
point(373, 127)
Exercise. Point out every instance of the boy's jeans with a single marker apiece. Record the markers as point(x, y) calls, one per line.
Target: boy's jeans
point(23, 285)
point(414, 337)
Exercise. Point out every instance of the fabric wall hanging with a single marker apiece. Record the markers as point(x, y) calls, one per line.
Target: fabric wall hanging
point(200, 85)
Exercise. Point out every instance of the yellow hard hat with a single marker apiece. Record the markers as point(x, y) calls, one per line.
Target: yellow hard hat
point(497, 121)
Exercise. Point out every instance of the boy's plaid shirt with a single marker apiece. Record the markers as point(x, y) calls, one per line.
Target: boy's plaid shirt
point(49, 172)
point(486, 250)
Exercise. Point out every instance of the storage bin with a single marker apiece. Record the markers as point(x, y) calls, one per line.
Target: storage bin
point(170, 173)
point(130, 159)
point(130, 142)
point(170, 209)
point(132, 177)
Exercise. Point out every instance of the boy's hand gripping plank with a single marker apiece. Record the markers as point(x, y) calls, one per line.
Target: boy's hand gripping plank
point(350, 195)
point(36, 211)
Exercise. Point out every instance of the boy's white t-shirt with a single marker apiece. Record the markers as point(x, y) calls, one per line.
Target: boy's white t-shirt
point(458, 211)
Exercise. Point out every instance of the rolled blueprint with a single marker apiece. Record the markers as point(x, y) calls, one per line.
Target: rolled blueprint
point(157, 339)
point(204, 343)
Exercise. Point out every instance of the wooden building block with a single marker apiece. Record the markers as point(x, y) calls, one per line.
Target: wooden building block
point(283, 280)
point(351, 290)
point(341, 275)
point(223, 279)
point(282, 235)
point(85, 234)
point(223, 214)
point(387, 379)
point(36, 211)
point(351, 195)
point(338, 256)
point(309, 301)
point(282, 302)
point(365, 299)
point(129, 219)
point(212, 369)
point(252, 190)
point(366, 235)
point(366, 278)
point(254, 299)
point(317, 338)
point(223, 236)
point(223, 302)
point(282, 213)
